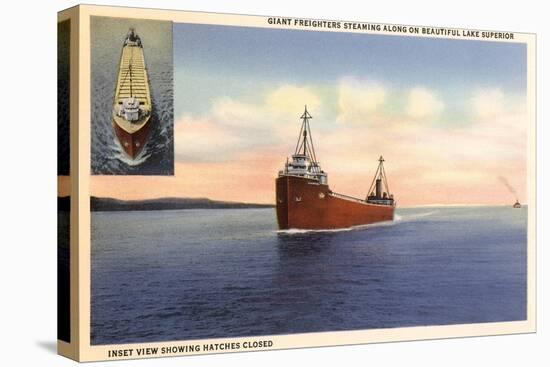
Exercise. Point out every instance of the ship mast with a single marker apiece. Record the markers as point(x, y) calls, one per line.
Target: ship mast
point(304, 145)
point(379, 180)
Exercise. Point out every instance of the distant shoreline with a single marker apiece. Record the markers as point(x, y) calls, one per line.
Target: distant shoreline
point(456, 205)
point(100, 204)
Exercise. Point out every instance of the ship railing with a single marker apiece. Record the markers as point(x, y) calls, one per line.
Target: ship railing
point(381, 201)
point(346, 197)
point(290, 173)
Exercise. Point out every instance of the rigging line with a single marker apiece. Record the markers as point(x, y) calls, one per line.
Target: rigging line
point(298, 143)
point(312, 146)
point(305, 141)
point(313, 162)
point(128, 72)
point(373, 181)
point(307, 117)
point(299, 149)
point(130, 69)
point(122, 83)
point(386, 180)
point(311, 150)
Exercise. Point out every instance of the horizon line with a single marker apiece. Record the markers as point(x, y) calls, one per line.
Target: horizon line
point(428, 205)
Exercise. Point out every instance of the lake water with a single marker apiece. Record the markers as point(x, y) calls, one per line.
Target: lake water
point(191, 274)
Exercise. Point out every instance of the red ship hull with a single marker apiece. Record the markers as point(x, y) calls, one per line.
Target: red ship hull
point(303, 203)
point(133, 143)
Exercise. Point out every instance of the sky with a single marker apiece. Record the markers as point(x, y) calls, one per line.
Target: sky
point(449, 116)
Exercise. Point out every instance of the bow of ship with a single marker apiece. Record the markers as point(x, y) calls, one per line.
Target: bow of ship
point(304, 199)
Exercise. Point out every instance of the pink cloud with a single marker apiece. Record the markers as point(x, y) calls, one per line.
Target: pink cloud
point(234, 151)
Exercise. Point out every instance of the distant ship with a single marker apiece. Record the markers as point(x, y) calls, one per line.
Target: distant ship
point(516, 204)
point(132, 103)
point(305, 201)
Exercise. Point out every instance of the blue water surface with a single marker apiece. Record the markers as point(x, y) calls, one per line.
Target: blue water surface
point(205, 273)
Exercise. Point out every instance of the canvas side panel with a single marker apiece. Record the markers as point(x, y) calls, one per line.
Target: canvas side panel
point(67, 43)
point(63, 172)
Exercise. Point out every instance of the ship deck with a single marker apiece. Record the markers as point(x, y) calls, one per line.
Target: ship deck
point(139, 88)
point(313, 181)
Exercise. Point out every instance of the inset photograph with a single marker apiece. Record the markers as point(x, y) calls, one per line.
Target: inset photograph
point(132, 97)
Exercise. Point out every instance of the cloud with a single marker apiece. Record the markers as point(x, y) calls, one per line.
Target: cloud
point(500, 118)
point(431, 163)
point(228, 112)
point(290, 100)
point(423, 103)
point(232, 127)
point(202, 140)
point(358, 100)
point(425, 162)
point(488, 103)
point(370, 102)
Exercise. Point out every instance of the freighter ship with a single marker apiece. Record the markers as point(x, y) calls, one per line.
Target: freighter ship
point(305, 201)
point(132, 102)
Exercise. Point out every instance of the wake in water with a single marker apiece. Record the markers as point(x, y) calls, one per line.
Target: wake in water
point(119, 154)
point(419, 215)
point(397, 219)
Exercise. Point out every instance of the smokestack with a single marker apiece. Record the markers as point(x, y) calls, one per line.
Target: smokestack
point(378, 188)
